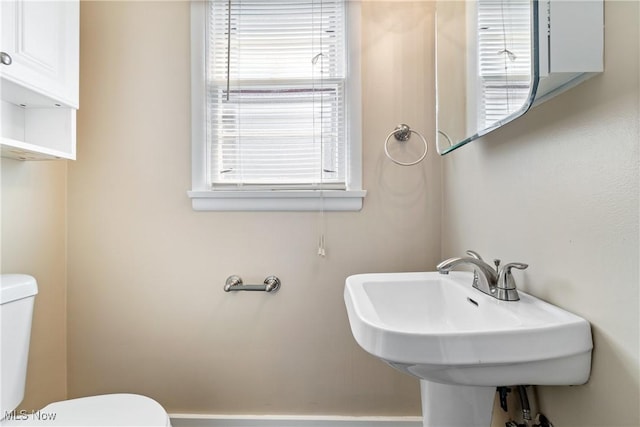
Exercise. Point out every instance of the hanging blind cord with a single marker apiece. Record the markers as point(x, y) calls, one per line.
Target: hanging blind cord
point(318, 58)
point(228, 48)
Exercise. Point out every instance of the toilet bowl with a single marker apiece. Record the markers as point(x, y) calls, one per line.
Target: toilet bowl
point(17, 293)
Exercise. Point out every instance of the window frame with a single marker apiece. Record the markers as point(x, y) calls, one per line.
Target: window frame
point(205, 198)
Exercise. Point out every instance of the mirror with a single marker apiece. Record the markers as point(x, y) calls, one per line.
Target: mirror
point(495, 59)
point(484, 67)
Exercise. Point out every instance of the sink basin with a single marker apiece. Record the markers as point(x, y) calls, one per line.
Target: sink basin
point(437, 327)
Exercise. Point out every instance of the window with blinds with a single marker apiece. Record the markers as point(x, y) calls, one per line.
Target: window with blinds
point(275, 101)
point(504, 58)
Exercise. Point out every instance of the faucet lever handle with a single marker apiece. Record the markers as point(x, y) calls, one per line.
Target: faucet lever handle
point(506, 286)
point(518, 265)
point(505, 279)
point(474, 254)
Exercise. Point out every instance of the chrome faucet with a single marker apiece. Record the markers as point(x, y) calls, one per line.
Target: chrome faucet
point(497, 282)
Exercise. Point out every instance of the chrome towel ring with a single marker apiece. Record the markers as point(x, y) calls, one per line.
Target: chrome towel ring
point(402, 133)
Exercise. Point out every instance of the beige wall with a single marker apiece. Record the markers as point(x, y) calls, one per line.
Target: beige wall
point(558, 189)
point(147, 312)
point(33, 242)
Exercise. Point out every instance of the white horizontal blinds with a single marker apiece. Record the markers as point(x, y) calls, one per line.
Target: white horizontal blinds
point(504, 57)
point(283, 124)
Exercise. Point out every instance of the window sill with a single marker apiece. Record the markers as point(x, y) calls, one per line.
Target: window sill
point(277, 200)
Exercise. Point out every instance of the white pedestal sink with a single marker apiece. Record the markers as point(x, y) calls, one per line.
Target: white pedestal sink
point(462, 343)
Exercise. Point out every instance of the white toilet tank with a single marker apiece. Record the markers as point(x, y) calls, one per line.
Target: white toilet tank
point(17, 293)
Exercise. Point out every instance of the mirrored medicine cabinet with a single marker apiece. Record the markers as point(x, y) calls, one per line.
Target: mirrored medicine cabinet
point(495, 59)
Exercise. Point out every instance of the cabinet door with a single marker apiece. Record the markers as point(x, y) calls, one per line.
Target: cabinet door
point(42, 38)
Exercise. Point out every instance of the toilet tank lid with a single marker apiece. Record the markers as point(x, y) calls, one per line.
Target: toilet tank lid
point(16, 286)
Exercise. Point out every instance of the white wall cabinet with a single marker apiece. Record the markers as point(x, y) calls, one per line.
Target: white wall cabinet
point(40, 78)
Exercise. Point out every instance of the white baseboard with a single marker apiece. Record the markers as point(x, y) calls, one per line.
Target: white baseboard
point(199, 420)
